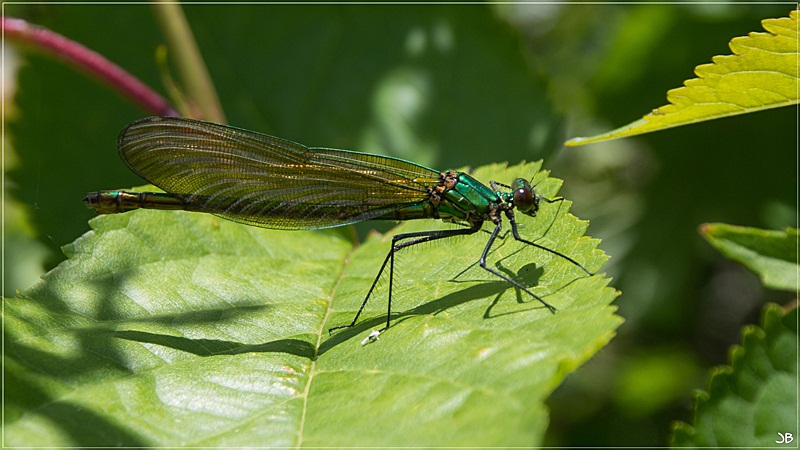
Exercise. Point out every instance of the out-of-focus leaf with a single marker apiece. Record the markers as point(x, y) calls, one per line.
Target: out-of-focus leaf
point(762, 73)
point(772, 255)
point(440, 85)
point(749, 403)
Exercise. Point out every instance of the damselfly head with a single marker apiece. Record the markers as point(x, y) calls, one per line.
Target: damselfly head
point(526, 200)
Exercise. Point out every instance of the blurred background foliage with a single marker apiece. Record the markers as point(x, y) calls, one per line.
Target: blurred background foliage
point(449, 86)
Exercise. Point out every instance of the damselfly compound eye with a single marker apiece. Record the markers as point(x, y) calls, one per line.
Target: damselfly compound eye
point(524, 198)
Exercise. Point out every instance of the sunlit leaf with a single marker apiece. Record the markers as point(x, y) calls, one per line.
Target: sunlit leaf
point(762, 73)
point(182, 329)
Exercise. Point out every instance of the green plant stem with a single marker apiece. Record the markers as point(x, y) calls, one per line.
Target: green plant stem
point(203, 102)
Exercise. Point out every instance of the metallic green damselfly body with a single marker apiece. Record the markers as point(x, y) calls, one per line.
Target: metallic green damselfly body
point(271, 182)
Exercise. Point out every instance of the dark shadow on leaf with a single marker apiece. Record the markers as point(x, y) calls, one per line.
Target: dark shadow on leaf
point(477, 292)
point(87, 428)
point(527, 272)
point(528, 275)
point(212, 347)
point(84, 427)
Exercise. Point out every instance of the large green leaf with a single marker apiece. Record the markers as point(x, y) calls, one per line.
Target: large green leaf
point(749, 403)
point(762, 73)
point(772, 255)
point(174, 328)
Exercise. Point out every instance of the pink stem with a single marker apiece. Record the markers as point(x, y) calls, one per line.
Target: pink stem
point(89, 61)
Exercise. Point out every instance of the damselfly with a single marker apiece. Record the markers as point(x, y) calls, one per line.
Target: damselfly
point(271, 182)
